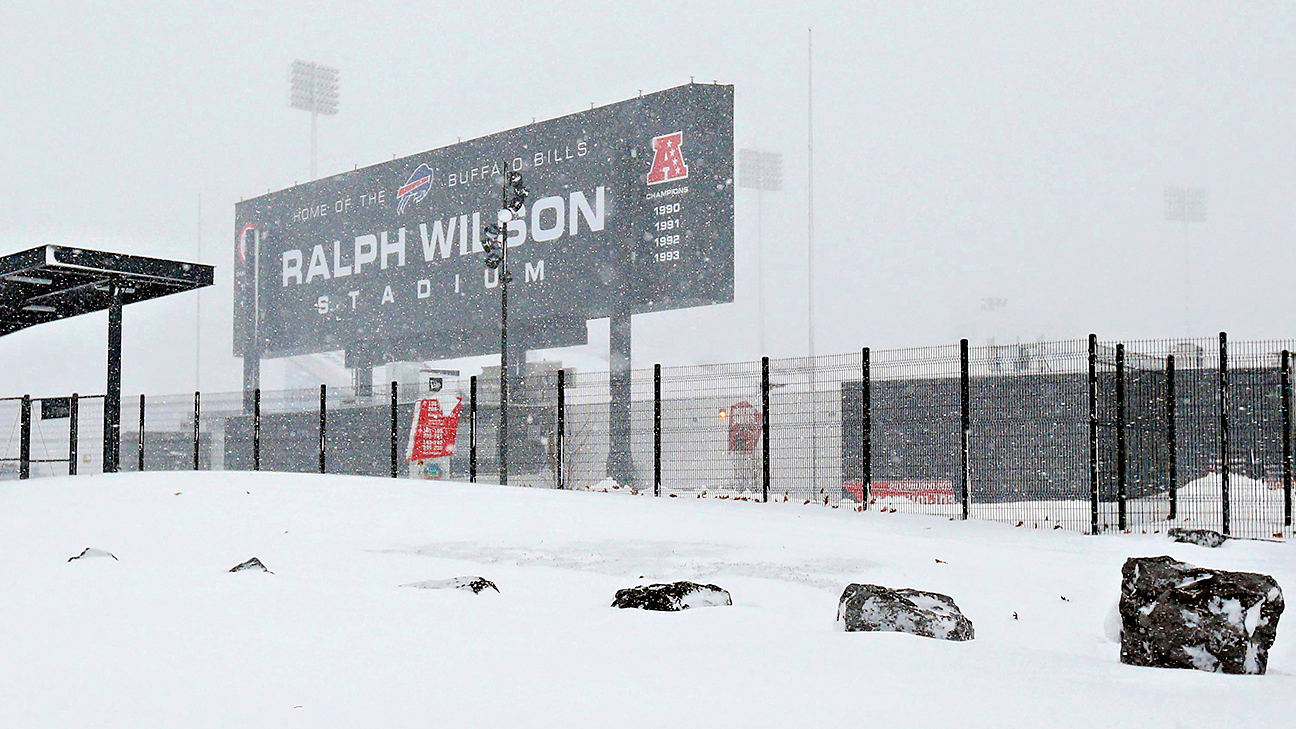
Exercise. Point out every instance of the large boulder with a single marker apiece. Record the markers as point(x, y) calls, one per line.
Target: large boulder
point(1200, 537)
point(1175, 615)
point(253, 564)
point(877, 608)
point(671, 597)
point(91, 553)
point(474, 584)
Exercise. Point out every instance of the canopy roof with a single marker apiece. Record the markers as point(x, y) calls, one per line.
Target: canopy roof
point(50, 283)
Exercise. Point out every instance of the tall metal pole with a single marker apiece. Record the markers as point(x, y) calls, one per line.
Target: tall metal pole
point(314, 115)
point(502, 444)
point(810, 289)
point(760, 276)
point(810, 248)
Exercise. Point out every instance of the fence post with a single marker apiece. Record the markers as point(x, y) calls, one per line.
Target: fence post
point(395, 464)
point(24, 439)
point(866, 428)
point(323, 425)
point(1171, 435)
point(74, 413)
point(1286, 438)
point(1093, 433)
point(965, 421)
point(1121, 472)
point(562, 422)
point(141, 435)
point(256, 429)
point(765, 430)
point(472, 429)
point(1224, 431)
point(197, 424)
point(657, 433)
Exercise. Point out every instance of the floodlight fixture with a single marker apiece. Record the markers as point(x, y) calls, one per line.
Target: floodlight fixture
point(315, 88)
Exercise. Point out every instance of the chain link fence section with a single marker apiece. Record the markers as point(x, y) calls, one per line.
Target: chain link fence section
point(1157, 433)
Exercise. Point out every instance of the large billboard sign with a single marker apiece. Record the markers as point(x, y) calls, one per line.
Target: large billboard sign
point(630, 210)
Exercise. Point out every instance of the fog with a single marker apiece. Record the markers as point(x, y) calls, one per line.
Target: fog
point(1016, 152)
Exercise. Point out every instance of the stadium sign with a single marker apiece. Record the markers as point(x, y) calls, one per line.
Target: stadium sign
point(630, 211)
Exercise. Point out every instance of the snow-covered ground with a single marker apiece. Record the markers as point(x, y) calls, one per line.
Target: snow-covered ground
point(164, 636)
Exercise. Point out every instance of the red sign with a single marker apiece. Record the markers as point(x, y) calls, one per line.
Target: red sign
point(668, 159)
point(922, 492)
point(433, 433)
point(744, 427)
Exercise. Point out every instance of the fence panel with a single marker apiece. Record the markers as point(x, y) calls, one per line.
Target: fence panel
point(1029, 441)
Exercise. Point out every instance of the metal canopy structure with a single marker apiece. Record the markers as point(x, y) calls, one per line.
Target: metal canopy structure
point(50, 283)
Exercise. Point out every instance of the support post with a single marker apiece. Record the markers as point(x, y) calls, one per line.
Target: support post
point(362, 379)
point(1286, 437)
point(74, 417)
point(866, 427)
point(620, 466)
point(140, 444)
point(256, 429)
point(1224, 431)
point(472, 429)
point(251, 378)
point(1093, 433)
point(1172, 437)
point(1121, 449)
point(560, 435)
point(965, 423)
point(765, 429)
point(112, 396)
point(24, 439)
point(657, 431)
point(197, 430)
point(323, 424)
point(395, 453)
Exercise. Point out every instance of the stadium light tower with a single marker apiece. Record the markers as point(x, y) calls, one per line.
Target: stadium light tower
point(513, 196)
point(762, 172)
point(314, 88)
point(1186, 205)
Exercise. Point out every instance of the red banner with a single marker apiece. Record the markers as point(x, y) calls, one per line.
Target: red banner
point(744, 427)
point(433, 433)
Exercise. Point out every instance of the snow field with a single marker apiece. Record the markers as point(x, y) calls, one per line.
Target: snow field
point(167, 637)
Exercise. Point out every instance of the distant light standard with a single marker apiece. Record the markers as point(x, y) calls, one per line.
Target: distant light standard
point(762, 172)
point(314, 88)
point(495, 242)
point(1186, 205)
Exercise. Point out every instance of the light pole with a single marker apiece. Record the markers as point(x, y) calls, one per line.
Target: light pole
point(1186, 205)
point(495, 241)
point(762, 172)
point(314, 88)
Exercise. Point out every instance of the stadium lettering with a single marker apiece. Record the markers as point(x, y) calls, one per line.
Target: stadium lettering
point(549, 219)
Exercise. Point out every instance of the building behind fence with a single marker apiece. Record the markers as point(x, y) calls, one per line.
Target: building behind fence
point(1083, 435)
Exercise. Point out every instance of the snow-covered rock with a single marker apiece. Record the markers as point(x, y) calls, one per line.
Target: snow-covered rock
point(89, 552)
point(1176, 615)
point(476, 584)
point(877, 608)
point(251, 564)
point(671, 597)
point(1200, 537)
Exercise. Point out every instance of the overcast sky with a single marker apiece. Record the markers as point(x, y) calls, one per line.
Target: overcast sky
point(1016, 151)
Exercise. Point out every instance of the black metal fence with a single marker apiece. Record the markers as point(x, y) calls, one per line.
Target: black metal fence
point(1082, 435)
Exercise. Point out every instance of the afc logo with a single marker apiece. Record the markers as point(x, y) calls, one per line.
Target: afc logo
point(668, 159)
